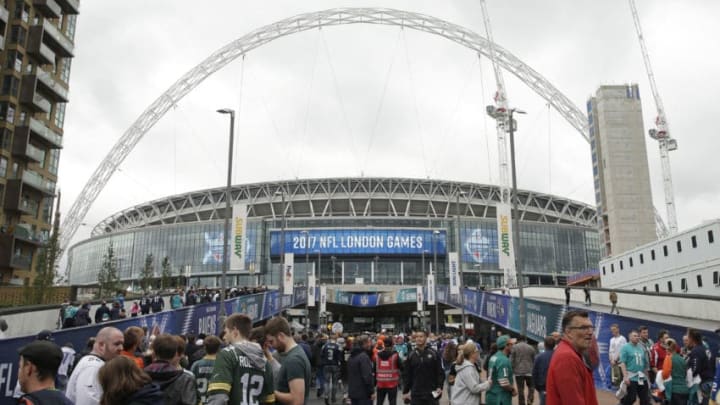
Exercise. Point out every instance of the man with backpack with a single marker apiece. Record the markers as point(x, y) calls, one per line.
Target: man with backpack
point(387, 373)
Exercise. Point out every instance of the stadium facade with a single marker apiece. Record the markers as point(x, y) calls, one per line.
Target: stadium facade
point(370, 231)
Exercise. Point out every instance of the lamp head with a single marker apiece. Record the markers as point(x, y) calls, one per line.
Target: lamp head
point(226, 111)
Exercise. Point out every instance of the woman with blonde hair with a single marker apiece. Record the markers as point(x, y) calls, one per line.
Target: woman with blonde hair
point(467, 387)
point(124, 383)
point(674, 366)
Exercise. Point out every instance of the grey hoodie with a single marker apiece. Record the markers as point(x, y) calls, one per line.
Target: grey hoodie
point(467, 387)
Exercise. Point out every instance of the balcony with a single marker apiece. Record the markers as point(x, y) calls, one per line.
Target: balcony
point(48, 8)
point(49, 85)
point(70, 6)
point(18, 200)
point(23, 149)
point(22, 262)
point(38, 50)
point(41, 133)
point(30, 98)
point(53, 37)
point(4, 14)
point(13, 190)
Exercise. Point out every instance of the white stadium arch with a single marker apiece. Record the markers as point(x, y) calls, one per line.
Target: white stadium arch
point(299, 23)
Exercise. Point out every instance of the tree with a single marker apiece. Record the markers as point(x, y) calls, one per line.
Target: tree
point(147, 273)
point(46, 267)
point(108, 277)
point(166, 274)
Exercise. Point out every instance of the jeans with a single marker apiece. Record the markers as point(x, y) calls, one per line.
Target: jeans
point(679, 399)
point(361, 401)
point(521, 381)
point(331, 373)
point(634, 391)
point(391, 394)
point(541, 394)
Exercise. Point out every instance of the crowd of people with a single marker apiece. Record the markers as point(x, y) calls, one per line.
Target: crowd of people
point(271, 364)
point(73, 314)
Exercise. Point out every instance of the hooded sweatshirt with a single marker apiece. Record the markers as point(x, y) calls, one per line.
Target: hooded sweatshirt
point(359, 369)
point(240, 360)
point(147, 395)
point(467, 386)
point(178, 387)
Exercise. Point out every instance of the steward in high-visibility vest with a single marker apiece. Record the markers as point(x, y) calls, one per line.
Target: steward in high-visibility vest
point(387, 373)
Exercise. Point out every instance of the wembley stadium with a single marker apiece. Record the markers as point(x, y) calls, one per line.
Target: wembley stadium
point(352, 231)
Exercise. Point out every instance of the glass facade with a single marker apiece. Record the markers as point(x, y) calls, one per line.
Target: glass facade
point(547, 252)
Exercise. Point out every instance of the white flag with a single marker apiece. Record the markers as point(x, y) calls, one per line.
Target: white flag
point(420, 298)
point(289, 274)
point(238, 237)
point(311, 290)
point(454, 266)
point(323, 299)
point(431, 289)
point(505, 243)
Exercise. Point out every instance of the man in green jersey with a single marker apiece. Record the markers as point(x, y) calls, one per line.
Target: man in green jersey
point(203, 368)
point(293, 385)
point(241, 374)
point(501, 374)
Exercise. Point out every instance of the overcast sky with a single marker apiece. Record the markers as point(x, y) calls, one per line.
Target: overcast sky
point(378, 100)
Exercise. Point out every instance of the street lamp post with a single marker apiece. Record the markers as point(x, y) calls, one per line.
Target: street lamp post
point(333, 259)
point(307, 278)
point(282, 240)
point(459, 263)
point(435, 281)
point(228, 214)
point(516, 225)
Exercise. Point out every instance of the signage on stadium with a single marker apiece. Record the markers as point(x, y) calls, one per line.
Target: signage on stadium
point(359, 242)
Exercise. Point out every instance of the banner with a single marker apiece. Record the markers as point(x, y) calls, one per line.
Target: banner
point(289, 274)
point(311, 290)
point(454, 266)
point(431, 289)
point(505, 244)
point(323, 299)
point(239, 235)
point(420, 298)
point(364, 300)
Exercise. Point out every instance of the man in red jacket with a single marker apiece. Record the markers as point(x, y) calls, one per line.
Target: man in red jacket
point(570, 379)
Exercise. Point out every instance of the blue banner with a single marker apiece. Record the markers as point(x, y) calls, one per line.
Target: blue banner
point(359, 242)
point(496, 308)
point(364, 300)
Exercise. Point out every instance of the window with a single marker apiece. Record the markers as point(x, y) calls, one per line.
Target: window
point(65, 70)
point(716, 278)
point(621, 265)
point(683, 284)
point(657, 288)
point(644, 288)
point(54, 161)
point(17, 35)
point(699, 280)
point(603, 270)
point(59, 117)
point(631, 262)
point(10, 86)
point(14, 61)
point(711, 238)
point(5, 138)
point(652, 254)
point(7, 112)
point(612, 267)
point(70, 27)
point(693, 241)
point(679, 246)
point(3, 166)
point(670, 286)
point(665, 251)
point(642, 259)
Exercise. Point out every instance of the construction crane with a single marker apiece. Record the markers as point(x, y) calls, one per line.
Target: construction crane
point(661, 132)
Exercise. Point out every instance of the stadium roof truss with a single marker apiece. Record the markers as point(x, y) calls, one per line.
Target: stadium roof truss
point(349, 197)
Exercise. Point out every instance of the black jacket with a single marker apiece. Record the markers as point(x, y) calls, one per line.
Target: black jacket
point(82, 317)
point(102, 309)
point(361, 384)
point(423, 373)
point(147, 395)
point(44, 397)
point(178, 386)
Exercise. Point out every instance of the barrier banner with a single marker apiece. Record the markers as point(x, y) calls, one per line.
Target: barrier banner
point(454, 266)
point(270, 304)
point(250, 306)
point(289, 273)
point(239, 236)
point(496, 308)
point(472, 302)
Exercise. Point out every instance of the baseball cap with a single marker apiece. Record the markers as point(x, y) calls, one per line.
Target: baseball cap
point(45, 334)
point(503, 340)
point(43, 354)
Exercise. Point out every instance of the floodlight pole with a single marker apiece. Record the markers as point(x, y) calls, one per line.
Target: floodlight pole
point(228, 214)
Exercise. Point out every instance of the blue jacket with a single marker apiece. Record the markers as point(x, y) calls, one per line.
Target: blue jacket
point(540, 369)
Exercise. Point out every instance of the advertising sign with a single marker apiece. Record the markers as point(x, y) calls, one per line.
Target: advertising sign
point(406, 295)
point(323, 299)
point(479, 245)
point(496, 308)
point(289, 273)
point(239, 236)
point(364, 300)
point(420, 299)
point(431, 289)
point(454, 267)
point(505, 243)
point(360, 241)
point(311, 290)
